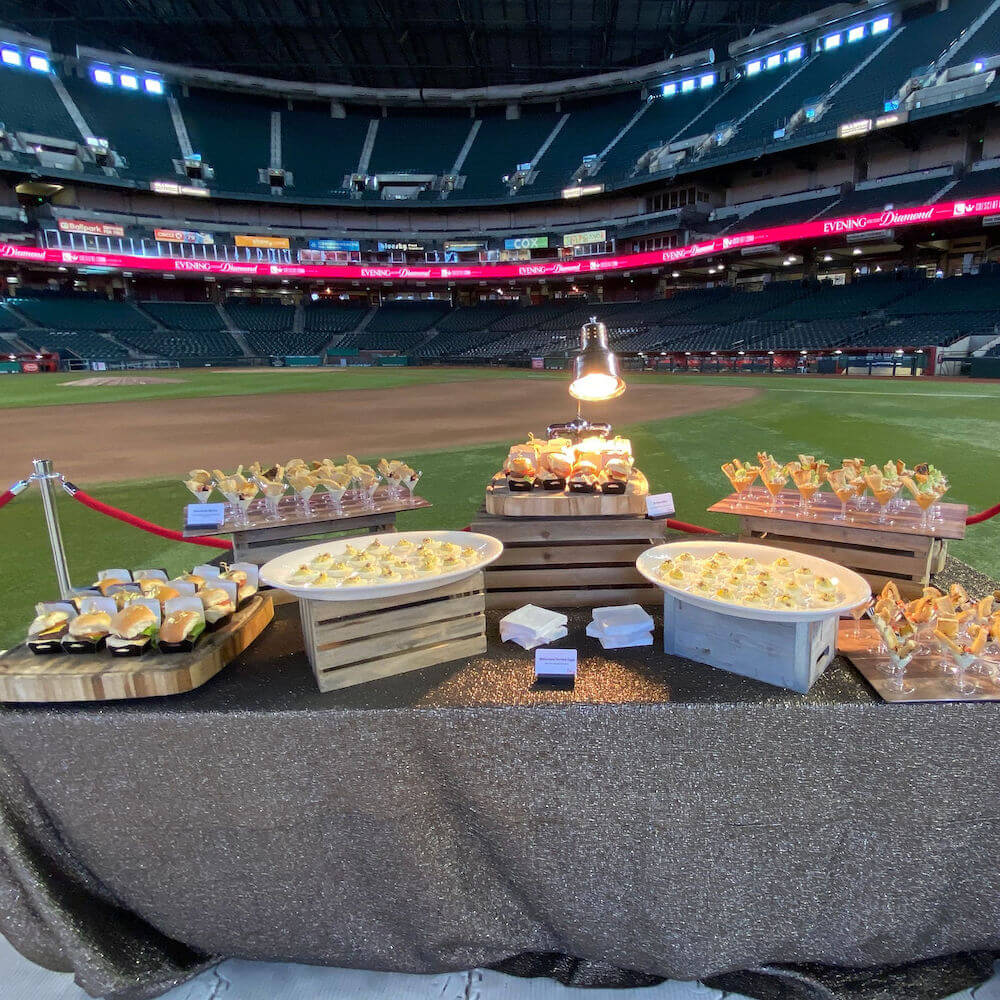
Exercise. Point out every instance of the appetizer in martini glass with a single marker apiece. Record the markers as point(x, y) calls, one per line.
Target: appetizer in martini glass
point(843, 490)
point(740, 476)
point(807, 482)
point(883, 490)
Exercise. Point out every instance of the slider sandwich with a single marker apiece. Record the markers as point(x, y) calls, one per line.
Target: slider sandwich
point(217, 603)
point(91, 627)
point(48, 626)
point(181, 627)
point(132, 628)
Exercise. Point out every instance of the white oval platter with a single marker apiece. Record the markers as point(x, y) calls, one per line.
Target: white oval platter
point(276, 572)
point(854, 587)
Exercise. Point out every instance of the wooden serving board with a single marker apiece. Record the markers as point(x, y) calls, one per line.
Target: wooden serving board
point(25, 677)
point(501, 502)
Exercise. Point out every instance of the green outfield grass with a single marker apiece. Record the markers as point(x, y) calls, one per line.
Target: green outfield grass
point(955, 425)
point(51, 389)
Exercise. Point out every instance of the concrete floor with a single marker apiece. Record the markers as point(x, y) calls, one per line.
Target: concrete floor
point(236, 980)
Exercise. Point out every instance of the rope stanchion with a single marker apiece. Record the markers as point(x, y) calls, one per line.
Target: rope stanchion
point(983, 515)
point(137, 522)
point(15, 488)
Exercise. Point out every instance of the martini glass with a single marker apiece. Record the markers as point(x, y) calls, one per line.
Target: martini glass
point(201, 491)
point(896, 669)
point(410, 483)
point(883, 490)
point(857, 613)
point(774, 480)
point(807, 483)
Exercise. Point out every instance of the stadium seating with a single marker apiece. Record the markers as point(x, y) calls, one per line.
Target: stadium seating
point(785, 214)
point(405, 317)
point(966, 294)
point(325, 317)
point(500, 145)
point(80, 312)
point(215, 346)
point(885, 192)
point(29, 102)
point(279, 345)
point(232, 132)
point(189, 317)
point(467, 319)
point(260, 317)
point(401, 144)
point(984, 42)
point(138, 126)
point(8, 321)
point(320, 150)
point(976, 183)
point(82, 345)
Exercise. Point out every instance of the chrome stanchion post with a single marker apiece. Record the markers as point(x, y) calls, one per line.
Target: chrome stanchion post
point(45, 478)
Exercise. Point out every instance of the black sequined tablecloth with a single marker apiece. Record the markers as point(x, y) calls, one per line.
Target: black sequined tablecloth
point(662, 817)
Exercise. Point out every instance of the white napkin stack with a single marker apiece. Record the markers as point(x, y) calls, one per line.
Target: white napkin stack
point(621, 627)
point(531, 626)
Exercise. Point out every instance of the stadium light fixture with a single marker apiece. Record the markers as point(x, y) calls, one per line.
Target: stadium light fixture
point(831, 42)
point(675, 274)
point(856, 251)
point(978, 65)
point(856, 33)
point(596, 376)
point(687, 86)
point(153, 85)
point(794, 54)
point(773, 60)
point(102, 75)
point(10, 57)
point(128, 80)
point(708, 80)
point(669, 89)
point(881, 25)
point(827, 258)
point(753, 67)
point(38, 61)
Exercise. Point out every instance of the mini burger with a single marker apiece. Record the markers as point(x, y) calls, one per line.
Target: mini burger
point(244, 588)
point(133, 626)
point(48, 625)
point(193, 578)
point(91, 627)
point(108, 582)
point(181, 626)
point(217, 604)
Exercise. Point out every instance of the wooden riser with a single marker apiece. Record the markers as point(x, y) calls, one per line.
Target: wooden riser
point(569, 562)
point(265, 544)
point(501, 502)
point(350, 642)
point(873, 554)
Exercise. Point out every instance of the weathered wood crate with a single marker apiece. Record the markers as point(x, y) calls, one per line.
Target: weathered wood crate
point(350, 642)
point(897, 551)
point(569, 562)
point(786, 654)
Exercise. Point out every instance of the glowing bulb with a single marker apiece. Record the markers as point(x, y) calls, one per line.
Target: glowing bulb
point(594, 387)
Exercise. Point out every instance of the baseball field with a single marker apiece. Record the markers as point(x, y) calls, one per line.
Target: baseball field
point(131, 444)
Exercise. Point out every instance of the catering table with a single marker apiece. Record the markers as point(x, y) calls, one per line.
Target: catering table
point(663, 817)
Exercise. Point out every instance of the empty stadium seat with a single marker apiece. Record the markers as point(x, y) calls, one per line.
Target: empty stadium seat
point(83, 345)
point(189, 317)
point(8, 321)
point(331, 317)
point(81, 312)
point(260, 317)
point(29, 103)
point(404, 317)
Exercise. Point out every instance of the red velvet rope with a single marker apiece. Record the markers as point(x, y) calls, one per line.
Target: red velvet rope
point(6, 497)
point(138, 522)
point(983, 515)
point(690, 529)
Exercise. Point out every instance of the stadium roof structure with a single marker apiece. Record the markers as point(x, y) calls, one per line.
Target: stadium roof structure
point(388, 43)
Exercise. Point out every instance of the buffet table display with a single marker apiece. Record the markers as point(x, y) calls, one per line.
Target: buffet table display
point(881, 536)
point(276, 510)
point(399, 602)
point(660, 816)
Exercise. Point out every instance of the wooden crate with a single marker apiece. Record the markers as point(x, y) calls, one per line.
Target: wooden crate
point(879, 553)
point(786, 654)
point(25, 677)
point(350, 642)
point(569, 562)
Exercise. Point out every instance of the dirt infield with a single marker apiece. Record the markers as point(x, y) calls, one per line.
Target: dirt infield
point(112, 442)
point(121, 380)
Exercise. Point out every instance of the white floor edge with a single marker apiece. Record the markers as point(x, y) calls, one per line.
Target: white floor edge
point(238, 980)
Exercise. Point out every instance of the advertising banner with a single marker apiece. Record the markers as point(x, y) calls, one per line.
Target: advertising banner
point(91, 228)
point(263, 242)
